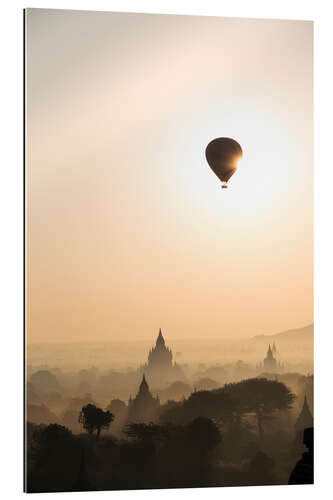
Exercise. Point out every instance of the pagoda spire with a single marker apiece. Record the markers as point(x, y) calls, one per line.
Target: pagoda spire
point(305, 418)
point(144, 387)
point(160, 339)
point(305, 404)
point(269, 354)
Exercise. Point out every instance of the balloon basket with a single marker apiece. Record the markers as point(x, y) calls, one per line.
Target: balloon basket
point(224, 185)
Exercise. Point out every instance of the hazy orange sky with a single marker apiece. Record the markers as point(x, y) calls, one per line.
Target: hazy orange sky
point(128, 229)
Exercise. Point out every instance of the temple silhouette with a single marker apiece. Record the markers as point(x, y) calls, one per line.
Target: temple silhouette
point(271, 363)
point(303, 421)
point(305, 418)
point(144, 406)
point(160, 368)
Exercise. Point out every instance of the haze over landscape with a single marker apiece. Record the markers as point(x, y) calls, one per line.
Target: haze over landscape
point(296, 346)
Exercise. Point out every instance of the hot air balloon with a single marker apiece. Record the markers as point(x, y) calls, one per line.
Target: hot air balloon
point(222, 155)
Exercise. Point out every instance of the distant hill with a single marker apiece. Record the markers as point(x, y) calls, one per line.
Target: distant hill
point(304, 335)
point(292, 345)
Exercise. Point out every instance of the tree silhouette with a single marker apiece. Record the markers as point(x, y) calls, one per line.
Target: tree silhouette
point(117, 407)
point(203, 436)
point(262, 397)
point(151, 432)
point(46, 437)
point(206, 404)
point(53, 451)
point(95, 419)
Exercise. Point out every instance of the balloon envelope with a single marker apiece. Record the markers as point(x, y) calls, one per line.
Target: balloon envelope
point(222, 155)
